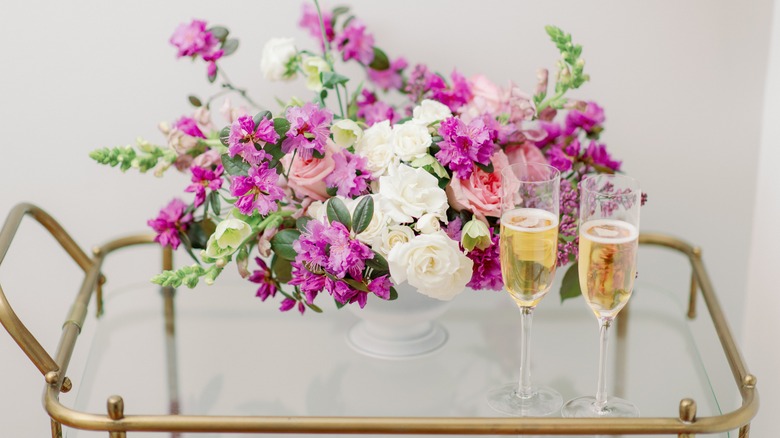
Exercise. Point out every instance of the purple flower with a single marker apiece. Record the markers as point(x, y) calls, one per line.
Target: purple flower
point(289, 303)
point(551, 132)
point(189, 126)
point(193, 39)
point(309, 283)
point(203, 179)
point(264, 278)
point(311, 22)
point(486, 273)
point(258, 191)
point(245, 136)
point(374, 111)
point(171, 221)
point(598, 155)
point(380, 287)
point(463, 145)
point(350, 176)
point(454, 97)
point(568, 251)
point(309, 129)
point(454, 228)
point(558, 159)
point(389, 79)
point(592, 116)
point(355, 43)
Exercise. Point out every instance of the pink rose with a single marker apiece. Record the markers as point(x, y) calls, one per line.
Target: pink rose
point(307, 176)
point(487, 95)
point(481, 192)
point(525, 153)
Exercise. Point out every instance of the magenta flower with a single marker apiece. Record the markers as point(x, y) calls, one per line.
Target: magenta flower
point(193, 39)
point(351, 176)
point(486, 273)
point(551, 131)
point(189, 126)
point(172, 220)
point(264, 278)
point(558, 159)
point(389, 79)
point(331, 248)
point(310, 284)
point(463, 145)
point(289, 303)
point(245, 138)
point(211, 59)
point(598, 155)
point(380, 287)
point(258, 191)
point(309, 129)
point(592, 116)
point(355, 43)
point(374, 111)
point(202, 179)
point(454, 97)
point(311, 22)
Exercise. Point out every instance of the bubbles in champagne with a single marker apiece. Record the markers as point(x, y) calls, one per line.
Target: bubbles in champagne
point(607, 264)
point(529, 242)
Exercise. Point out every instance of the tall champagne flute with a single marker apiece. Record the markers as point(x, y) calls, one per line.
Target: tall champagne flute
point(529, 248)
point(609, 236)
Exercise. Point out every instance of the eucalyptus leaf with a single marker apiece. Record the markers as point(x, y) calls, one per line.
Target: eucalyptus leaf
point(282, 243)
point(219, 32)
point(338, 212)
point(363, 214)
point(570, 287)
point(230, 46)
point(195, 101)
point(331, 79)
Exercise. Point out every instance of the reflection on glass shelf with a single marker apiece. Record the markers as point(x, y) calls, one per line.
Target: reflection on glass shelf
point(239, 356)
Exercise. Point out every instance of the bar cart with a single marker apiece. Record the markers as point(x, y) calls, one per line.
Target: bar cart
point(223, 366)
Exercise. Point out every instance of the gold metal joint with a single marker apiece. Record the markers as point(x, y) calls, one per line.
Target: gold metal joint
point(116, 407)
point(750, 381)
point(687, 410)
point(52, 377)
point(697, 251)
point(67, 385)
point(96, 251)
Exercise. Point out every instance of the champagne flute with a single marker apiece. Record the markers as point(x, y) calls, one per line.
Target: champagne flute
point(609, 236)
point(529, 248)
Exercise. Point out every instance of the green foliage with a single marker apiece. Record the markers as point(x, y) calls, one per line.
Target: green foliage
point(380, 61)
point(235, 165)
point(570, 288)
point(331, 79)
point(378, 263)
point(189, 276)
point(230, 46)
point(282, 242)
point(195, 101)
point(570, 68)
point(363, 214)
point(338, 212)
point(220, 33)
point(147, 157)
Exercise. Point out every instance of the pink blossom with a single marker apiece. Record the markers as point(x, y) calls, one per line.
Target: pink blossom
point(465, 144)
point(592, 116)
point(373, 110)
point(350, 176)
point(203, 179)
point(245, 137)
point(311, 22)
point(264, 278)
point(193, 39)
point(307, 174)
point(355, 43)
point(258, 191)
point(189, 126)
point(389, 79)
point(309, 129)
point(172, 220)
point(486, 273)
point(525, 153)
point(487, 96)
point(481, 192)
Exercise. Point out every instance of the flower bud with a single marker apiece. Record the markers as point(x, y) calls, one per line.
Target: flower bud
point(476, 234)
point(227, 237)
point(346, 133)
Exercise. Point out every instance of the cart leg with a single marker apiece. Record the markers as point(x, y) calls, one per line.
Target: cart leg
point(744, 431)
point(56, 429)
point(168, 294)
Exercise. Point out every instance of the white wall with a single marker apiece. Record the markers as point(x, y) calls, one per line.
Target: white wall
point(681, 82)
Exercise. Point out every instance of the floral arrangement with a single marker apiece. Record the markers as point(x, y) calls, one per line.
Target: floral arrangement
point(398, 180)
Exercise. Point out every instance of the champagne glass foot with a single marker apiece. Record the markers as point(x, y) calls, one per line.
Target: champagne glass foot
point(585, 407)
point(541, 402)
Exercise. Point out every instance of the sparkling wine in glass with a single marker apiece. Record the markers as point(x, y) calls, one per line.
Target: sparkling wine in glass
point(528, 249)
point(609, 236)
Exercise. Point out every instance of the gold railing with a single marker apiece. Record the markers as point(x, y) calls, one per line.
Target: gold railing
point(116, 423)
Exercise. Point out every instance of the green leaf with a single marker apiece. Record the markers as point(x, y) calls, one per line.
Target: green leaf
point(356, 284)
point(281, 243)
point(301, 222)
point(220, 33)
point(338, 212)
point(378, 263)
point(216, 203)
point(380, 61)
point(313, 307)
point(260, 116)
point(393, 294)
point(235, 166)
point(570, 288)
point(331, 191)
point(199, 233)
point(340, 10)
point(282, 269)
point(363, 214)
point(331, 79)
point(281, 126)
point(485, 168)
point(224, 136)
point(230, 46)
point(195, 101)
point(339, 305)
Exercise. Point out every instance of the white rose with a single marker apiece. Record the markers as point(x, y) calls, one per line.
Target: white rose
point(392, 236)
point(346, 133)
point(376, 146)
point(428, 223)
point(411, 140)
point(433, 264)
point(312, 66)
point(277, 55)
point(407, 193)
point(229, 234)
point(429, 111)
point(316, 210)
point(378, 221)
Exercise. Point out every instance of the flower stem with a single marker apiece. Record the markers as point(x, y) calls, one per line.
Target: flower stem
point(229, 85)
point(325, 42)
point(292, 159)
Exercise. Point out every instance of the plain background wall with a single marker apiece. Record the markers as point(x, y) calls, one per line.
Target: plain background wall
point(682, 84)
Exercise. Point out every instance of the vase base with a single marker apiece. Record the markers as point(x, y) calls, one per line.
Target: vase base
point(365, 339)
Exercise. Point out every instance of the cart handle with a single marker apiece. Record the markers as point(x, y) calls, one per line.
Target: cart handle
point(26, 341)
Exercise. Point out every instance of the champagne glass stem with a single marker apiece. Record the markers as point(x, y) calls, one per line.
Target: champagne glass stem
point(601, 392)
point(524, 385)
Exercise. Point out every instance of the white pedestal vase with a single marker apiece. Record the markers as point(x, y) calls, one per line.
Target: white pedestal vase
point(400, 329)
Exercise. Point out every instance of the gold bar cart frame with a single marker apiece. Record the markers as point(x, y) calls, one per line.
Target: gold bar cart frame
point(117, 424)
